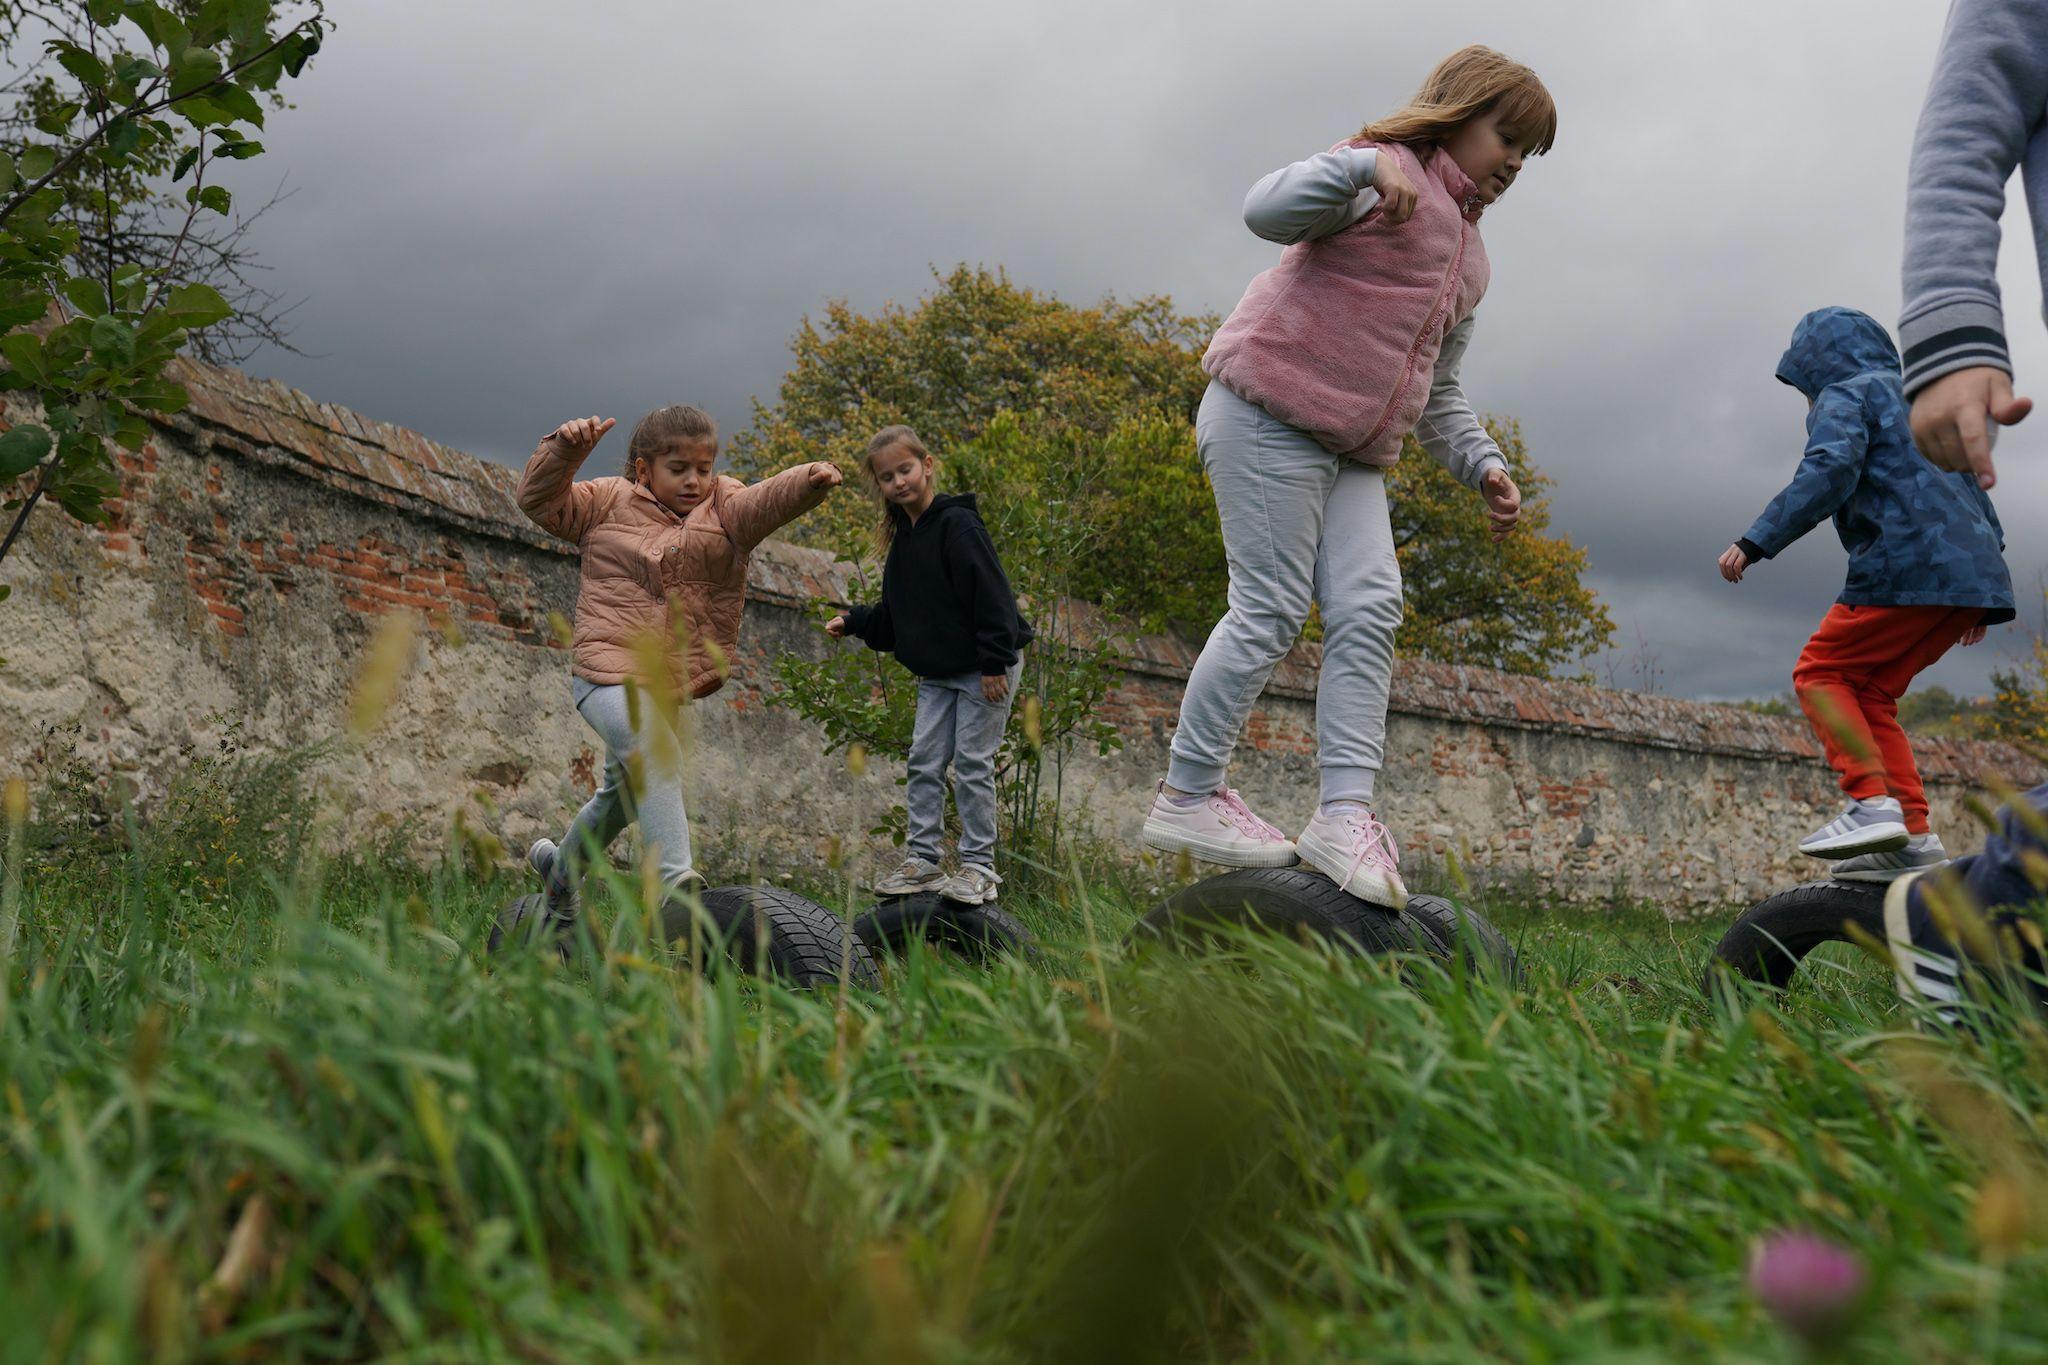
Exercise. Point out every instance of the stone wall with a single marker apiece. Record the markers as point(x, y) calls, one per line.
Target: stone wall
point(261, 534)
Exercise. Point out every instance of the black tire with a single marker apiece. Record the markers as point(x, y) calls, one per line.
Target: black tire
point(514, 926)
point(802, 941)
point(1455, 928)
point(979, 933)
point(1288, 899)
point(1770, 939)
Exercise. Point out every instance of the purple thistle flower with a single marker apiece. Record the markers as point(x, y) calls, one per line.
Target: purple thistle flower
point(1809, 1284)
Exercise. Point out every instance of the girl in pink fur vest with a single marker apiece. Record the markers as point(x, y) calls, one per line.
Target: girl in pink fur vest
point(1334, 355)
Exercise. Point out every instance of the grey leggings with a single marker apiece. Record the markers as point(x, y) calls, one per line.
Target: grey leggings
point(1300, 525)
point(656, 800)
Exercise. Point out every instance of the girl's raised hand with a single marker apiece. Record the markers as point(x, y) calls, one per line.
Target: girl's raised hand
point(1397, 191)
point(581, 434)
point(1733, 562)
point(824, 475)
point(1503, 502)
point(836, 627)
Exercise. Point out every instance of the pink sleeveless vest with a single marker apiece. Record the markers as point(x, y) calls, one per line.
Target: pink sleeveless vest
point(1341, 338)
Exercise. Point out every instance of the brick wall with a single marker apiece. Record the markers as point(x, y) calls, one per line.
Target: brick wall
point(261, 534)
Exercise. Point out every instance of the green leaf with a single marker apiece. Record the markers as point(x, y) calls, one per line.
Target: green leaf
point(57, 120)
point(123, 137)
point(88, 296)
point(7, 174)
point(113, 342)
point(160, 26)
point(196, 305)
point(5, 593)
point(194, 69)
point(22, 449)
point(24, 352)
point(105, 13)
point(91, 72)
point(238, 102)
point(201, 112)
point(184, 166)
point(298, 51)
point(37, 162)
point(240, 151)
point(210, 197)
point(20, 311)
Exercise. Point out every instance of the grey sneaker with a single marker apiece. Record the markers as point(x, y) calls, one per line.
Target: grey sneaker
point(1921, 852)
point(1876, 826)
point(914, 877)
point(973, 884)
point(545, 857)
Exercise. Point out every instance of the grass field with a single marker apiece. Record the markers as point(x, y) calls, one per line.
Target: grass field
point(260, 1107)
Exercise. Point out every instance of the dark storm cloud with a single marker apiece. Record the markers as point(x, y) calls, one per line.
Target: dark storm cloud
point(502, 220)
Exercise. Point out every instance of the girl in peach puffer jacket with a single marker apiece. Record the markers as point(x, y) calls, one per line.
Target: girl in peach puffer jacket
point(665, 551)
point(1331, 358)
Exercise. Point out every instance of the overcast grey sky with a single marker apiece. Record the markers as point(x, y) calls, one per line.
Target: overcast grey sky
point(509, 212)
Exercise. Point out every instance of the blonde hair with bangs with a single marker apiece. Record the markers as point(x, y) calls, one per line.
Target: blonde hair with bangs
point(1471, 83)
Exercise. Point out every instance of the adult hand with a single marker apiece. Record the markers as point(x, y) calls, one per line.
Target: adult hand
point(1503, 502)
point(1952, 419)
point(1733, 562)
point(995, 686)
point(1397, 191)
point(581, 434)
point(824, 475)
point(1974, 635)
point(836, 627)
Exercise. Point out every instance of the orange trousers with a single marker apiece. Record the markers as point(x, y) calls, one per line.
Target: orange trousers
point(1849, 679)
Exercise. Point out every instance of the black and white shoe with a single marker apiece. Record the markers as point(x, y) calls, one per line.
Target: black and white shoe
point(1874, 826)
point(1921, 853)
point(1928, 965)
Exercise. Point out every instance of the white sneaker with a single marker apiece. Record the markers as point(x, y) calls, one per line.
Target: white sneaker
point(1353, 849)
point(973, 884)
point(914, 877)
point(1876, 826)
point(1219, 828)
point(1921, 852)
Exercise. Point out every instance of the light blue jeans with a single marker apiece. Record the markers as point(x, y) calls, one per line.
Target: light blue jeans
point(956, 723)
point(1300, 525)
point(655, 800)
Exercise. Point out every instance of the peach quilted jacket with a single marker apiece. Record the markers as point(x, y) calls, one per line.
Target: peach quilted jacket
point(642, 561)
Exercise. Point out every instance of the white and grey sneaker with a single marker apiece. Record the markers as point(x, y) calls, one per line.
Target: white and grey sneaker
point(973, 884)
point(1921, 852)
point(1875, 826)
point(912, 878)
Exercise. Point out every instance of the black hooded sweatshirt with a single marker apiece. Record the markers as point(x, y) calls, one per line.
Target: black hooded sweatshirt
point(946, 606)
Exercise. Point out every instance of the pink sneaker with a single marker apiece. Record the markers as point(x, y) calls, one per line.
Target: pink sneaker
point(1353, 849)
point(1220, 828)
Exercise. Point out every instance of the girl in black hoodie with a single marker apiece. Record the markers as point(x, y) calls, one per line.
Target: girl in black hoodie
point(948, 614)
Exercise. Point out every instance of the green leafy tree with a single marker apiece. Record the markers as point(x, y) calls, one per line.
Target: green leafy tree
point(976, 346)
point(2019, 695)
point(146, 89)
point(1518, 605)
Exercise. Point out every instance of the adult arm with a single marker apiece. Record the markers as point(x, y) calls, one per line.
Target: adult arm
point(1984, 104)
point(1837, 440)
point(1448, 429)
point(1314, 198)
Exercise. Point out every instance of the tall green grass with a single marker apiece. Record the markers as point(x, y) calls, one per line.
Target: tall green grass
point(255, 1104)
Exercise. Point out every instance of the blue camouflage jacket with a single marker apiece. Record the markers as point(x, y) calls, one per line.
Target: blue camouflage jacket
point(1916, 535)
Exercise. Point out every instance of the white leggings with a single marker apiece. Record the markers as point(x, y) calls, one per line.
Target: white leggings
point(656, 800)
point(1300, 525)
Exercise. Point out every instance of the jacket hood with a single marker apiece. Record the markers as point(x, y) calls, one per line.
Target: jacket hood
point(1831, 345)
point(941, 503)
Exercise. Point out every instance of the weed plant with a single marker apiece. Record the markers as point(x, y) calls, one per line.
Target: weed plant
point(293, 1111)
